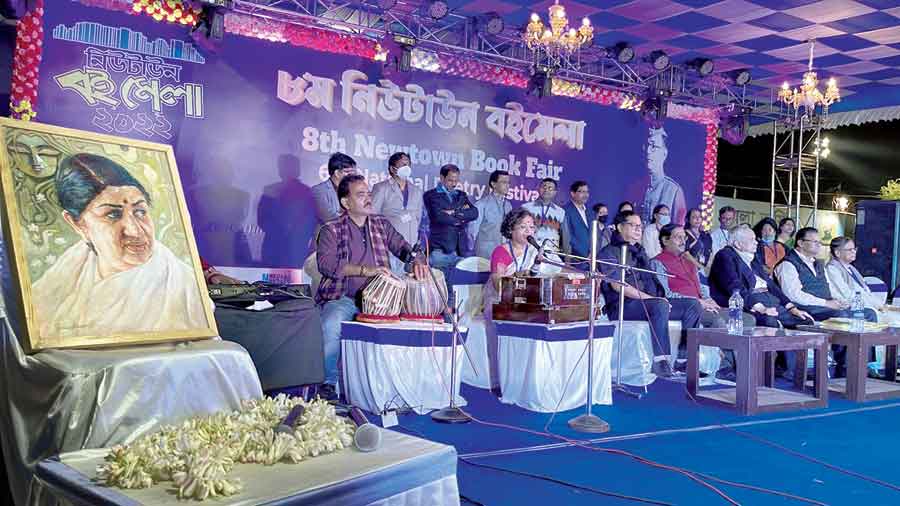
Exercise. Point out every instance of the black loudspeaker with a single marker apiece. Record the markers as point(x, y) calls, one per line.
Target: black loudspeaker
point(878, 240)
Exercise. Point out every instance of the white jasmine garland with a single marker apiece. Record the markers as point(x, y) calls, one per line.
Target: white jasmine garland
point(198, 455)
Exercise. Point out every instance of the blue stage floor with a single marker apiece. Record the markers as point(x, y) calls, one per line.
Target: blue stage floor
point(667, 427)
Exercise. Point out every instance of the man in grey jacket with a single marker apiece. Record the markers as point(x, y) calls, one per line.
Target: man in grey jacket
point(400, 201)
point(325, 193)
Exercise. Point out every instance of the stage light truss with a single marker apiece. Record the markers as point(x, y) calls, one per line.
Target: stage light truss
point(466, 35)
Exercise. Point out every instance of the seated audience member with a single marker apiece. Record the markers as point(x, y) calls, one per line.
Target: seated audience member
point(734, 269)
point(803, 279)
point(449, 212)
point(549, 216)
point(786, 228)
point(769, 252)
point(650, 239)
point(844, 279)
point(645, 295)
point(514, 257)
point(350, 250)
point(625, 206)
point(699, 242)
point(685, 280)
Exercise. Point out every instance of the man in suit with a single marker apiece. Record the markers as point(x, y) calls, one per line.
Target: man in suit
point(734, 270)
point(328, 207)
point(400, 201)
point(645, 296)
point(578, 222)
point(449, 211)
point(484, 231)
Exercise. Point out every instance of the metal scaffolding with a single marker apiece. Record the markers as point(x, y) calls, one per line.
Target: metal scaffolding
point(795, 168)
point(460, 34)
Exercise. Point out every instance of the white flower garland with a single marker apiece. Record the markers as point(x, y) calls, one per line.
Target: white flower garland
point(198, 455)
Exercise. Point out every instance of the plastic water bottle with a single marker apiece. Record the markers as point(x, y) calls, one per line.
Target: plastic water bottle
point(857, 314)
point(735, 313)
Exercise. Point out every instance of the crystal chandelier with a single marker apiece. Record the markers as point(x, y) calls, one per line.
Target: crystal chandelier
point(809, 96)
point(558, 41)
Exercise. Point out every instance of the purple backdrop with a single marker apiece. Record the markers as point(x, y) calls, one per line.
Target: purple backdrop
point(248, 157)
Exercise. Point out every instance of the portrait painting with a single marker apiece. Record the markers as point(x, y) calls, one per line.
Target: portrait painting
point(100, 240)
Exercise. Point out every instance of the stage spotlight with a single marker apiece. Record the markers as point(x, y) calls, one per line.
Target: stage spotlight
point(15, 9)
point(438, 9)
point(404, 58)
point(491, 23)
point(659, 59)
point(734, 124)
point(702, 66)
point(622, 52)
point(541, 82)
point(821, 148)
point(655, 107)
point(739, 76)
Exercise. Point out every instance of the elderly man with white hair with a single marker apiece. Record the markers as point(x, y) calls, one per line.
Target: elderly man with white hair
point(734, 270)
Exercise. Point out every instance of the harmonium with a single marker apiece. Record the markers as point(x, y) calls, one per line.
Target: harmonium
point(544, 299)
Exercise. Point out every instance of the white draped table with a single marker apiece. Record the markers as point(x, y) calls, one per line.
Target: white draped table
point(536, 361)
point(392, 365)
point(405, 471)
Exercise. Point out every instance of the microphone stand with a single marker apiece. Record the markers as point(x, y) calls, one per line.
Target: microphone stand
point(452, 413)
point(617, 385)
point(589, 422)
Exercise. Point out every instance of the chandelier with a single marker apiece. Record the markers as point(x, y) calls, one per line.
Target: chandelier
point(809, 96)
point(558, 41)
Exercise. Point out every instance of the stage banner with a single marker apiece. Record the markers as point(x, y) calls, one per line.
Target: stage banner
point(254, 123)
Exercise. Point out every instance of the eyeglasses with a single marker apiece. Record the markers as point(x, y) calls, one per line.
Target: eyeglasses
point(635, 225)
point(848, 249)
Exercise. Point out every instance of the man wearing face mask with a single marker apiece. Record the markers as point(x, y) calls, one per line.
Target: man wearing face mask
point(601, 212)
point(400, 201)
point(548, 216)
point(650, 239)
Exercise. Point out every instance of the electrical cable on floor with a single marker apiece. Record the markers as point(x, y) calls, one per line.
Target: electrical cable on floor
point(546, 478)
point(568, 484)
point(694, 476)
point(779, 447)
point(470, 501)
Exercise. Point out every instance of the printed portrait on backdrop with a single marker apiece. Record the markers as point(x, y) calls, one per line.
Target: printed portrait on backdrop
point(661, 189)
point(102, 244)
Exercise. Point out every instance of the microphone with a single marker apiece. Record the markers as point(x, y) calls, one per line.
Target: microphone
point(537, 259)
point(287, 425)
point(367, 437)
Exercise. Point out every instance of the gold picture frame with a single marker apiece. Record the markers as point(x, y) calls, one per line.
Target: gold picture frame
point(100, 241)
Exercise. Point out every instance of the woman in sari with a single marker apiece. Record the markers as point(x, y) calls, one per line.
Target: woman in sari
point(515, 257)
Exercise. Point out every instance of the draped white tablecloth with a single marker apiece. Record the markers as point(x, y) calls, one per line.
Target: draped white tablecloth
point(404, 471)
point(544, 367)
point(405, 364)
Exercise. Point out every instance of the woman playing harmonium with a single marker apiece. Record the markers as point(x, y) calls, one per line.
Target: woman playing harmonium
point(514, 257)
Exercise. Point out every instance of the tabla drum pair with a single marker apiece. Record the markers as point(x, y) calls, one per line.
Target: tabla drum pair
point(389, 299)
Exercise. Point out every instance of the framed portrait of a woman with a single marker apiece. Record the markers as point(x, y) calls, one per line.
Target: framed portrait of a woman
point(100, 239)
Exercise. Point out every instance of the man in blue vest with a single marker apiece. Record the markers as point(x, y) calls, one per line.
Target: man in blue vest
point(803, 279)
